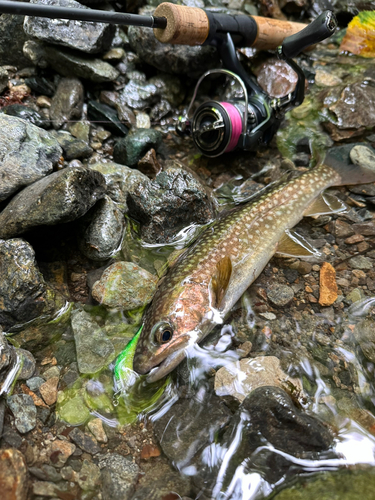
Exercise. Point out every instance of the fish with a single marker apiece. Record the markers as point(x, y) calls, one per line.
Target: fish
point(210, 276)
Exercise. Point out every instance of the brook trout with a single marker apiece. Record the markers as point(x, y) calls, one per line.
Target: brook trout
point(207, 280)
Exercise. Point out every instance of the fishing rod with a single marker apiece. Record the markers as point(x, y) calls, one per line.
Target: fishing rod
point(217, 127)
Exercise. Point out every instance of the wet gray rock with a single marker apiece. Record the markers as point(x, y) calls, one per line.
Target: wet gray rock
point(90, 37)
point(46, 473)
point(186, 428)
point(119, 476)
point(139, 94)
point(94, 351)
point(267, 415)
point(102, 230)
point(22, 287)
point(72, 147)
point(168, 203)
point(84, 441)
point(120, 181)
point(164, 484)
point(34, 383)
point(178, 59)
point(280, 295)
point(28, 364)
point(361, 262)
point(364, 334)
point(12, 35)
point(26, 113)
point(41, 85)
point(67, 103)
point(28, 153)
point(135, 145)
point(99, 112)
point(60, 197)
point(24, 410)
point(125, 285)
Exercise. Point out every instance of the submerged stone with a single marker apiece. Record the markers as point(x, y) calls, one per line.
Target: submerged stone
point(130, 150)
point(61, 197)
point(27, 153)
point(73, 148)
point(103, 228)
point(86, 36)
point(119, 476)
point(280, 295)
point(170, 202)
point(67, 103)
point(125, 285)
point(24, 411)
point(94, 348)
point(364, 333)
point(26, 113)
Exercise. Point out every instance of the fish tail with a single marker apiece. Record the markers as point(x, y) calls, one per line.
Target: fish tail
point(354, 165)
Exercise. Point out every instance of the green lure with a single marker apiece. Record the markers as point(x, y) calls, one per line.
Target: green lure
point(124, 362)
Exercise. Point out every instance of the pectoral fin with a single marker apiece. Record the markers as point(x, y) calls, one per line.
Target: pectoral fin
point(294, 245)
point(325, 204)
point(220, 280)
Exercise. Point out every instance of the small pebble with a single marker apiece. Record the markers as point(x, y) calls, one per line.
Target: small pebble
point(48, 390)
point(280, 295)
point(96, 428)
point(43, 101)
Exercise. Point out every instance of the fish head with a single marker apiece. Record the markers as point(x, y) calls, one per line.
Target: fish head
point(171, 325)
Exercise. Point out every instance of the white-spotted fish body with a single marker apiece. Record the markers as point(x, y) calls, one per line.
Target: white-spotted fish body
point(209, 277)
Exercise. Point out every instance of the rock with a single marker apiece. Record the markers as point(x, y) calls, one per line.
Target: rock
point(41, 85)
point(80, 130)
point(139, 94)
point(187, 426)
point(360, 262)
point(23, 290)
point(84, 441)
point(12, 35)
point(280, 295)
point(126, 286)
point(28, 364)
point(67, 103)
point(240, 378)
point(88, 478)
point(27, 154)
point(344, 484)
point(73, 148)
point(26, 113)
point(13, 475)
point(60, 197)
point(60, 451)
point(170, 202)
point(269, 420)
point(363, 156)
point(46, 473)
point(277, 78)
point(328, 286)
point(45, 489)
point(366, 229)
point(149, 164)
point(163, 484)
point(120, 181)
point(364, 333)
point(130, 150)
point(98, 112)
point(178, 59)
point(342, 229)
point(119, 476)
point(87, 36)
point(326, 79)
point(149, 451)
point(94, 351)
point(48, 390)
point(355, 295)
point(353, 110)
point(96, 428)
point(74, 411)
point(102, 230)
point(24, 410)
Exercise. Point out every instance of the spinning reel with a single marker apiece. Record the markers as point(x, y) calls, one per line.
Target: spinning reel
point(246, 123)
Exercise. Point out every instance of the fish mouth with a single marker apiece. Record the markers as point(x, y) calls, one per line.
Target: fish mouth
point(166, 366)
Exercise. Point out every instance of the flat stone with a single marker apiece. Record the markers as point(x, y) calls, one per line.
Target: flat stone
point(28, 364)
point(135, 145)
point(342, 229)
point(46, 473)
point(88, 477)
point(34, 383)
point(98, 112)
point(48, 390)
point(94, 348)
point(45, 489)
point(58, 198)
point(87, 36)
point(280, 295)
point(364, 333)
point(119, 476)
point(95, 426)
point(13, 475)
point(125, 285)
point(73, 148)
point(28, 153)
point(22, 287)
point(328, 286)
point(26, 113)
point(363, 156)
point(60, 451)
point(360, 262)
point(120, 181)
point(24, 410)
point(326, 79)
point(67, 103)
point(240, 378)
point(84, 441)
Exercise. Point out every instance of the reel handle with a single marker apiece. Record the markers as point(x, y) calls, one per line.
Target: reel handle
point(320, 29)
point(194, 26)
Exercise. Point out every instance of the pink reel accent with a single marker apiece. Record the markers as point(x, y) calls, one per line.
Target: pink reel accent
point(236, 121)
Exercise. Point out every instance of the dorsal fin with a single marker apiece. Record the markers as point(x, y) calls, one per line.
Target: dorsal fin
point(325, 204)
point(294, 245)
point(220, 280)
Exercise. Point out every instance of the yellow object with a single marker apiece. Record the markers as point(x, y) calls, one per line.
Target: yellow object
point(360, 35)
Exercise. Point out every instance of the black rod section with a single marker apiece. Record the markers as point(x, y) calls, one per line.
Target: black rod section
point(100, 16)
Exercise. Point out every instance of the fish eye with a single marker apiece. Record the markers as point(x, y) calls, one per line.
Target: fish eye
point(163, 332)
